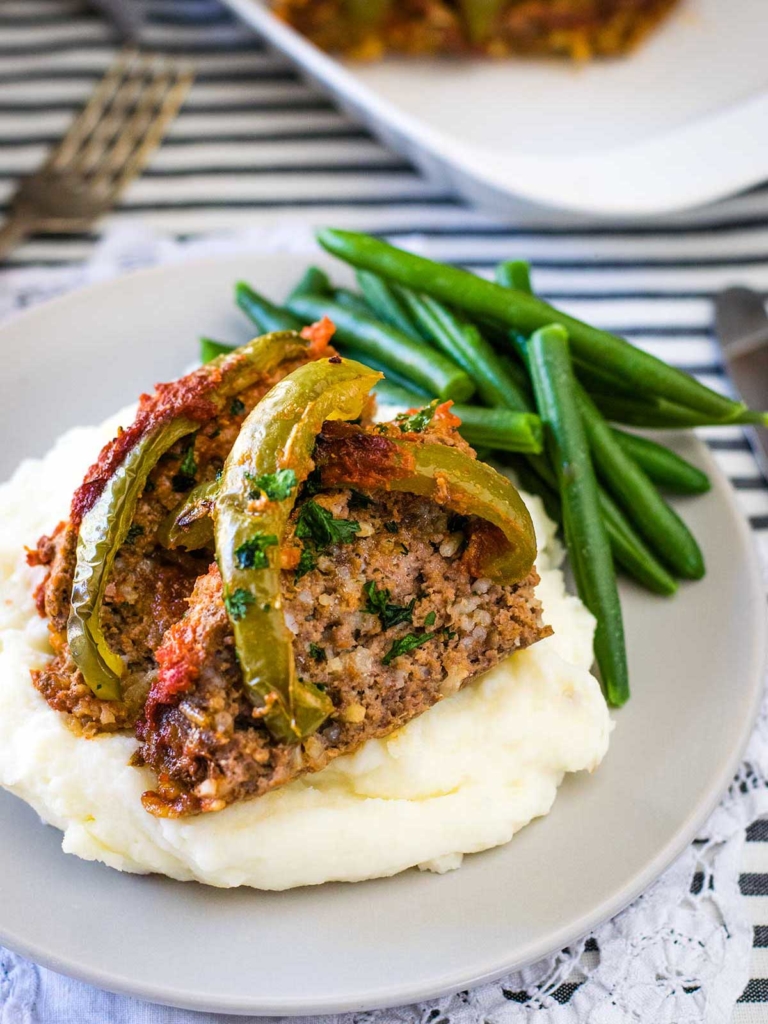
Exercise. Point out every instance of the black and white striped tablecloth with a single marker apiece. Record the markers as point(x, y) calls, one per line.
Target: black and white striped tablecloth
point(254, 145)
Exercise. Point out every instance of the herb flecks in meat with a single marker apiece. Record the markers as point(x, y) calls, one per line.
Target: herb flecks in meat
point(322, 528)
point(378, 603)
point(406, 643)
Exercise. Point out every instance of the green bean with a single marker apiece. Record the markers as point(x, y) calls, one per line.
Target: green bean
point(210, 349)
point(655, 520)
point(658, 415)
point(352, 301)
point(386, 303)
point(393, 378)
point(462, 342)
point(596, 381)
point(266, 315)
point(501, 430)
point(515, 274)
point(664, 467)
point(526, 313)
point(555, 388)
point(429, 369)
point(313, 281)
point(629, 551)
point(498, 429)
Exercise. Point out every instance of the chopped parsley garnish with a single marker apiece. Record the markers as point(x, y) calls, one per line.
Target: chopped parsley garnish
point(252, 553)
point(185, 478)
point(317, 652)
point(378, 603)
point(406, 643)
point(134, 531)
point(429, 619)
point(391, 527)
point(320, 526)
point(417, 422)
point(405, 549)
point(449, 633)
point(277, 486)
point(236, 407)
point(358, 500)
point(312, 485)
point(307, 563)
point(237, 603)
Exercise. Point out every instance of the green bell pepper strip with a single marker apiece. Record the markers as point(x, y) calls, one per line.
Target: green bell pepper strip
point(367, 13)
point(527, 313)
point(588, 544)
point(190, 525)
point(279, 434)
point(392, 377)
point(105, 525)
point(449, 477)
point(479, 16)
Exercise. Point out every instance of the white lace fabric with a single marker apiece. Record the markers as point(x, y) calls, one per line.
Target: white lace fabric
point(680, 954)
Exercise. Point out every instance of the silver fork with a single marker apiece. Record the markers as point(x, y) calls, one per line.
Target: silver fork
point(105, 147)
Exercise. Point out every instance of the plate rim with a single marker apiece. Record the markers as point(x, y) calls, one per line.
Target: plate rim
point(390, 996)
point(693, 145)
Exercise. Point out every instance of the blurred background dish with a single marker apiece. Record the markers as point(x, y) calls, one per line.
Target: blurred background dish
point(676, 124)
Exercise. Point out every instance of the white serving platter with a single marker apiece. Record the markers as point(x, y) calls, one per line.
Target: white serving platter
point(678, 123)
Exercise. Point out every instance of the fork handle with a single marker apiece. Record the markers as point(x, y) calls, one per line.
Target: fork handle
point(14, 231)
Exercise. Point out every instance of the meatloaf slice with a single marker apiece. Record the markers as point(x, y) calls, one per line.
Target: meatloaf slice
point(388, 623)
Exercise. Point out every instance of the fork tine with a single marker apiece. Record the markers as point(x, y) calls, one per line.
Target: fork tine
point(180, 80)
point(112, 122)
point(133, 127)
point(84, 123)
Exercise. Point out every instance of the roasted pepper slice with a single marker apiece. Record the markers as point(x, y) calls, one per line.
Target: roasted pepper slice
point(449, 477)
point(190, 524)
point(104, 525)
point(257, 491)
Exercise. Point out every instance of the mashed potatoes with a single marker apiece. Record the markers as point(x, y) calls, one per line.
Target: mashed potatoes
point(463, 777)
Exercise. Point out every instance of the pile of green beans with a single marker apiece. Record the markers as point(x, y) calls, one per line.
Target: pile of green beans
point(538, 390)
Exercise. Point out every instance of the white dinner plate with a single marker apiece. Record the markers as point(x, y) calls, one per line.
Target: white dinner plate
point(677, 123)
point(696, 670)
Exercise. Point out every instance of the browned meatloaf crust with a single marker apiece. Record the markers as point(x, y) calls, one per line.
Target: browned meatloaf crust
point(574, 28)
point(407, 572)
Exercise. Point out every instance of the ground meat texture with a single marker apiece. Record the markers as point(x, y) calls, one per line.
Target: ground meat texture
point(148, 588)
point(201, 734)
